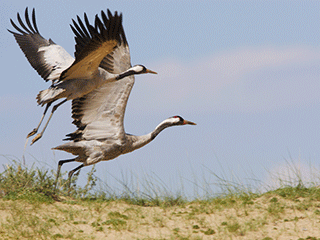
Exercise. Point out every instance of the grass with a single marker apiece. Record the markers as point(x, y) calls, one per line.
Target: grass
point(30, 208)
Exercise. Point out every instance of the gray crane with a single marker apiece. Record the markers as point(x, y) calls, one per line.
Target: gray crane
point(73, 78)
point(99, 115)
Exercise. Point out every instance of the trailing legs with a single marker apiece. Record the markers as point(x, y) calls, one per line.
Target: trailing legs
point(61, 162)
point(72, 172)
point(34, 131)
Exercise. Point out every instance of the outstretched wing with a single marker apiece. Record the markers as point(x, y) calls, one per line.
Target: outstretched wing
point(100, 114)
point(46, 57)
point(93, 44)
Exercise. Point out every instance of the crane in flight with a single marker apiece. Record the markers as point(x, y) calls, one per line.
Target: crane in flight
point(99, 115)
point(73, 78)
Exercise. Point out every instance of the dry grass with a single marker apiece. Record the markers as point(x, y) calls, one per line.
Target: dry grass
point(30, 209)
point(269, 216)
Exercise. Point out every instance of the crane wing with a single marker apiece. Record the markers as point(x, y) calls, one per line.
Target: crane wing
point(46, 57)
point(93, 44)
point(100, 114)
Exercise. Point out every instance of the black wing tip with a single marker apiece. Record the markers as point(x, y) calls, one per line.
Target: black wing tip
point(118, 17)
point(103, 29)
point(23, 29)
point(11, 31)
point(77, 116)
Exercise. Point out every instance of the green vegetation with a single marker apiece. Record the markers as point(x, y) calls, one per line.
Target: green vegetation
point(31, 208)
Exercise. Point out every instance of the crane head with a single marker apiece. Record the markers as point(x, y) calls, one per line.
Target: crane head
point(177, 120)
point(140, 69)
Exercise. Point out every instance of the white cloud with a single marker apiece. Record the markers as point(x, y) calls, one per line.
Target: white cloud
point(250, 79)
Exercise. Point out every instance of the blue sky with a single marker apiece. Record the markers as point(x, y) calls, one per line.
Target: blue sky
point(247, 72)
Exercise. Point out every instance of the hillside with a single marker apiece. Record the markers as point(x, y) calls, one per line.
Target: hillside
point(30, 208)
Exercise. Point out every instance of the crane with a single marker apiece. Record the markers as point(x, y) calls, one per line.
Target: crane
point(99, 115)
point(72, 78)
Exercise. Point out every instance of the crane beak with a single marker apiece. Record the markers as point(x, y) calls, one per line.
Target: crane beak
point(150, 71)
point(188, 122)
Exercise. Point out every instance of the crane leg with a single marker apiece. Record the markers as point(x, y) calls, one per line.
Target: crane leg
point(39, 135)
point(72, 172)
point(61, 162)
point(35, 130)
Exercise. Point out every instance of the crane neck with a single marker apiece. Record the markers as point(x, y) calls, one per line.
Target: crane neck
point(140, 141)
point(163, 125)
point(127, 73)
point(110, 77)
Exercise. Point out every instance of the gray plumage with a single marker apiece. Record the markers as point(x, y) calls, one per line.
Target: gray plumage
point(95, 147)
point(73, 78)
point(99, 117)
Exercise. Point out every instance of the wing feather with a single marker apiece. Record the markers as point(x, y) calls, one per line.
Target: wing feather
point(46, 57)
point(92, 45)
point(100, 114)
point(119, 60)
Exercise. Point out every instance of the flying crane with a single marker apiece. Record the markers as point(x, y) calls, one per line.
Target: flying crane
point(99, 115)
point(73, 78)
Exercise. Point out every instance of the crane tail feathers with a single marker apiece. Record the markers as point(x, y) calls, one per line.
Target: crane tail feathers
point(48, 95)
point(75, 150)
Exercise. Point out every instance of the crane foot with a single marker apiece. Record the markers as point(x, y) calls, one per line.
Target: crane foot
point(33, 132)
point(36, 138)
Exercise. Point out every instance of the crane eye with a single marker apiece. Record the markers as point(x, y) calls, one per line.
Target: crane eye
point(178, 117)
